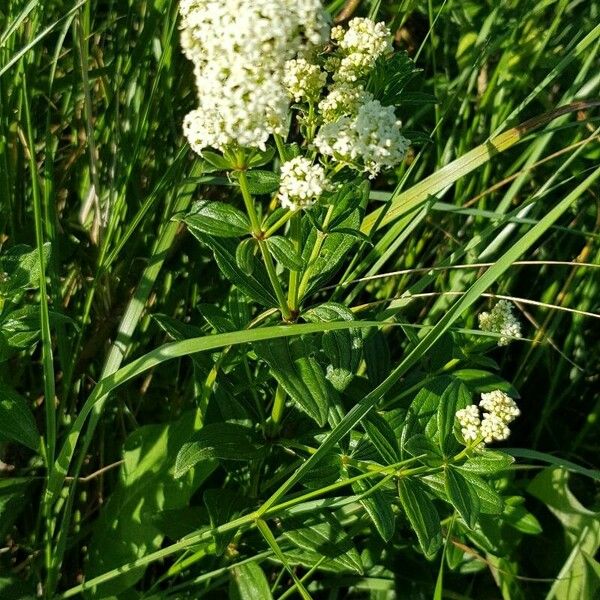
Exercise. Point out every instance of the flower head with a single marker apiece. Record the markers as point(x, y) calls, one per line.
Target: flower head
point(501, 320)
point(359, 47)
point(370, 141)
point(501, 404)
point(342, 100)
point(470, 422)
point(302, 183)
point(302, 80)
point(239, 49)
point(492, 425)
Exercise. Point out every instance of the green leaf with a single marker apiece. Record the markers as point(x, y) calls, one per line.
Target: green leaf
point(16, 419)
point(262, 182)
point(488, 462)
point(341, 349)
point(422, 515)
point(245, 255)
point(521, 519)
point(285, 252)
point(378, 506)
point(224, 505)
point(326, 537)
point(20, 269)
point(300, 375)
point(484, 381)
point(490, 502)
point(383, 438)
point(258, 158)
point(248, 582)
point(124, 531)
point(217, 161)
point(14, 494)
point(419, 445)
point(217, 219)
point(377, 356)
point(325, 473)
point(423, 410)
point(217, 441)
point(463, 496)
point(255, 286)
point(455, 397)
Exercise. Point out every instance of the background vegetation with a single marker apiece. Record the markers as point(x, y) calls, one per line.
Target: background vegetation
point(93, 163)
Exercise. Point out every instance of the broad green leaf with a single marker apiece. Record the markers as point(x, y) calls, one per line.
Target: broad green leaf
point(326, 537)
point(423, 410)
point(248, 582)
point(488, 462)
point(217, 219)
point(124, 531)
point(582, 529)
point(245, 253)
point(262, 182)
point(16, 419)
point(258, 158)
point(14, 494)
point(325, 473)
point(455, 397)
point(300, 375)
point(176, 523)
point(484, 381)
point(422, 515)
point(521, 519)
point(463, 496)
point(490, 502)
point(341, 349)
point(378, 505)
point(255, 286)
point(217, 441)
point(421, 445)
point(20, 269)
point(285, 252)
point(383, 438)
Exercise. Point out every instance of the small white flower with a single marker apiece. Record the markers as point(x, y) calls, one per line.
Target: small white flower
point(370, 141)
point(302, 80)
point(239, 49)
point(343, 100)
point(302, 183)
point(502, 405)
point(501, 320)
point(470, 422)
point(493, 428)
point(359, 48)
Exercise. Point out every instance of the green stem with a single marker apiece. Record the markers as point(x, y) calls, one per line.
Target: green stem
point(270, 265)
point(278, 406)
point(280, 147)
point(321, 235)
point(295, 233)
point(249, 203)
point(286, 217)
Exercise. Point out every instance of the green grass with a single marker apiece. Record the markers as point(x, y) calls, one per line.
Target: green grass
point(141, 341)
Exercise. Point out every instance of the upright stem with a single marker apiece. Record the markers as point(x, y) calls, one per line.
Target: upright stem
point(321, 235)
point(267, 258)
point(295, 232)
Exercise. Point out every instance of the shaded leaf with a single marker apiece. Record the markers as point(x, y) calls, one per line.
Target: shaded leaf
point(217, 219)
point(248, 582)
point(16, 419)
point(463, 496)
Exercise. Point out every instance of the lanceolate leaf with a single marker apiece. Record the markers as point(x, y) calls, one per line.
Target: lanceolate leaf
point(462, 496)
point(222, 441)
point(248, 582)
point(285, 253)
point(383, 438)
point(218, 219)
point(379, 508)
point(300, 375)
point(455, 397)
point(16, 420)
point(422, 515)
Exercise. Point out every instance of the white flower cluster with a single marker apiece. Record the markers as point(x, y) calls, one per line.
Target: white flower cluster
point(501, 320)
point(343, 100)
point(303, 80)
point(371, 140)
point(302, 183)
point(359, 47)
point(239, 49)
point(501, 410)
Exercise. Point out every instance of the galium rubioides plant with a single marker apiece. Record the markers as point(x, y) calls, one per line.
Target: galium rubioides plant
point(325, 436)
